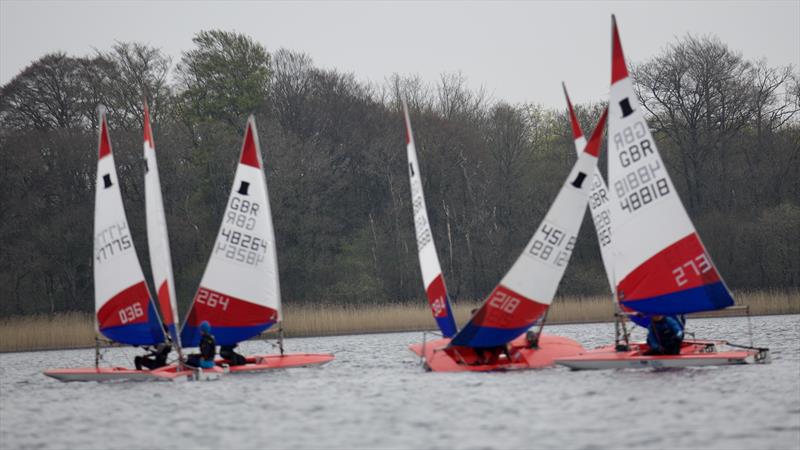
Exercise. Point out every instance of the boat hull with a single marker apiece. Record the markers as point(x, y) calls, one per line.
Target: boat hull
point(694, 353)
point(168, 373)
point(260, 363)
point(439, 358)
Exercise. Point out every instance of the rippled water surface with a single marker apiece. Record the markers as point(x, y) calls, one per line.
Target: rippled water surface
point(375, 394)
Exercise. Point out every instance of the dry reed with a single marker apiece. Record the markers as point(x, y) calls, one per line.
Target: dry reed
point(68, 330)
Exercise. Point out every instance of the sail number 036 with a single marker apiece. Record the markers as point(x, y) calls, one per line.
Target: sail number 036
point(131, 313)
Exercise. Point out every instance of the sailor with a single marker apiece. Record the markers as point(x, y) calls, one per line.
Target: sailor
point(157, 356)
point(208, 349)
point(234, 359)
point(664, 335)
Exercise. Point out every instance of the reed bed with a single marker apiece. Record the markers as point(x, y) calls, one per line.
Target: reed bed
point(72, 330)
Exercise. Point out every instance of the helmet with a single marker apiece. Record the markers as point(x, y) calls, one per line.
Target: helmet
point(205, 327)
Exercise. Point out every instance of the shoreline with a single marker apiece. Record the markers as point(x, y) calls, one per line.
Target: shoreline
point(75, 330)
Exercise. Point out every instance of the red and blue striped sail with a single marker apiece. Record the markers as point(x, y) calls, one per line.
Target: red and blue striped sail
point(239, 294)
point(432, 277)
point(527, 290)
point(660, 264)
point(124, 307)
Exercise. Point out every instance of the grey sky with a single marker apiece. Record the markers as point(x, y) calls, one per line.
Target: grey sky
point(519, 51)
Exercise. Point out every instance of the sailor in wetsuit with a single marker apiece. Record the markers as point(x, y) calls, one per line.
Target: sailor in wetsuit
point(157, 356)
point(234, 359)
point(208, 349)
point(664, 335)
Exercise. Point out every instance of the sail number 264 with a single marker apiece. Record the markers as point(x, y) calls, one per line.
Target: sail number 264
point(212, 299)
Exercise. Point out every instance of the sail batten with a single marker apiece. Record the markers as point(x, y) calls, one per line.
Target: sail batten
point(124, 307)
point(660, 263)
point(432, 278)
point(239, 294)
point(527, 290)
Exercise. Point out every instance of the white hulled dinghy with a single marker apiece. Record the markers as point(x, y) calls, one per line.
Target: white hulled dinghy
point(661, 267)
point(125, 310)
point(239, 294)
point(495, 338)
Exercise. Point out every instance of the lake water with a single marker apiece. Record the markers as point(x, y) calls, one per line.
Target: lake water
point(376, 395)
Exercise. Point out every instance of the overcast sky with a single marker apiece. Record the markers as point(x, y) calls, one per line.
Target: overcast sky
point(519, 51)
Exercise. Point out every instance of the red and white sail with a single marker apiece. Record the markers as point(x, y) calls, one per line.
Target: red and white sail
point(239, 294)
point(660, 264)
point(123, 304)
point(599, 203)
point(432, 278)
point(157, 236)
point(527, 290)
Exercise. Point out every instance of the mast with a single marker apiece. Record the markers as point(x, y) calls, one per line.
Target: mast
point(527, 290)
point(432, 277)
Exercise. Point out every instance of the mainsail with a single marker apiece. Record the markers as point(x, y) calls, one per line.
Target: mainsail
point(432, 277)
point(527, 290)
point(157, 236)
point(239, 294)
point(123, 304)
point(599, 203)
point(660, 264)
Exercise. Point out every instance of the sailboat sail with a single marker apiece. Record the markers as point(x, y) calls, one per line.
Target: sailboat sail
point(123, 304)
point(599, 203)
point(527, 290)
point(432, 277)
point(157, 236)
point(239, 294)
point(660, 263)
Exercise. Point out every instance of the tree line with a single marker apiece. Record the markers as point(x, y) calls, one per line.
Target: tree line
point(727, 128)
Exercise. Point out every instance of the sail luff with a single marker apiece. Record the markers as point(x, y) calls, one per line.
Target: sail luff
point(432, 278)
point(125, 309)
point(158, 235)
point(528, 289)
point(661, 265)
point(599, 203)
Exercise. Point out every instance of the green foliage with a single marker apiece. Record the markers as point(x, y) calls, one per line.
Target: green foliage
point(337, 171)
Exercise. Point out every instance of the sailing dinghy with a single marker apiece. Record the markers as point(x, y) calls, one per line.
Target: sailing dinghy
point(239, 294)
point(660, 263)
point(495, 338)
point(125, 310)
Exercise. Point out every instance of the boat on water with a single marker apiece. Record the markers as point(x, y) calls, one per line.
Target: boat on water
point(239, 293)
point(125, 310)
point(498, 336)
point(659, 266)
